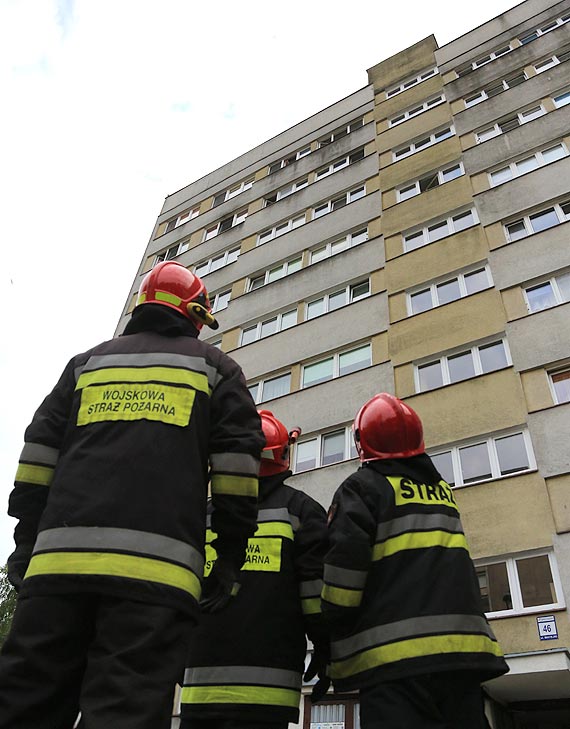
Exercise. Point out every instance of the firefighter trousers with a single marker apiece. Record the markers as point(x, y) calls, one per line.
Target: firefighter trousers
point(115, 660)
point(231, 724)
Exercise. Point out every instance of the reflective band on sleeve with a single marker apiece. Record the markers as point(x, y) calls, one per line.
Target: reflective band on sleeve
point(242, 675)
point(39, 454)
point(274, 528)
point(310, 588)
point(169, 375)
point(115, 565)
point(344, 577)
point(342, 597)
point(419, 540)
point(240, 695)
point(234, 485)
point(160, 403)
point(241, 463)
point(37, 475)
point(311, 606)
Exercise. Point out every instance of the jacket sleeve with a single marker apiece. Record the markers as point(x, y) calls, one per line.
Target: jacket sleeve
point(236, 441)
point(351, 535)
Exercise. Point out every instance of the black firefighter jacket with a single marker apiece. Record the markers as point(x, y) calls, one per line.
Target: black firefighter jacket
point(400, 589)
point(246, 662)
point(111, 488)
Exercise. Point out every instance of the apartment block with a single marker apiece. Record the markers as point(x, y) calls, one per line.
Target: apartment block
point(414, 237)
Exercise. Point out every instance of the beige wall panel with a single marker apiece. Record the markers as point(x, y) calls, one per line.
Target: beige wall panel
point(255, 206)
point(559, 492)
point(537, 390)
point(248, 244)
point(403, 64)
point(397, 307)
point(484, 508)
point(377, 282)
point(414, 95)
point(514, 303)
point(238, 288)
point(428, 206)
point(410, 168)
point(519, 635)
point(389, 199)
point(436, 259)
point(394, 247)
point(230, 340)
point(484, 404)
point(480, 182)
point(372, 184)
point(295, 377)
point(404, 380)
point(496, 236)
point(380, 348)
point(375, 228)
point(417, 126)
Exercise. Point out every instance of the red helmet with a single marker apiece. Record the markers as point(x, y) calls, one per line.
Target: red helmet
point(171, 284)
point(386, 427)
point(275, 455)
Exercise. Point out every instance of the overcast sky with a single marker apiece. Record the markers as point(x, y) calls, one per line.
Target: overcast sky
point(108, 106)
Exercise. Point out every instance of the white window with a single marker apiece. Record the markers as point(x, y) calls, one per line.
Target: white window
point(495, 89)
point(221, 226)
point(341, 297)
point(562, 99)
point(275, 166)
point(285, 191)
point(281, 229)
point(439, 229)
point(404, 86)
point(233, 191)
point(537, 222)
point(527, 164)
point(537, 32)
point(339, 245)
point(423, 143)
point(271, 388)
point(339, 163)
point(171, 252)
point(324, 449)
point(503, 50)
point(523, 583)
point(341, 132)
point(219, 261)
point(449, 289)
point(548, 293)
point(434, 179)
point(416, 110)
point(339, 202)
point(182, 218)
point(220, 301)
point(269, 326)
point(484, 459)
point(551, 62)
point(452, 368)
point(275, 273)
point(336, 365)
point(560, 383)
point(509, 123)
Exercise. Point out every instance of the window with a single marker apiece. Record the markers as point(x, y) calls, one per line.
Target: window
point(509, 123)
point(560, 382)
point(271, 388)
point(449, 289)
point(418, 109)
point(338, 245)
point(219, 261)
point(286, 191)
point(485, 459)
point(339, 202)
point(438, 230)
point(537, 222)
point(281, 229)
point(422, 143)
point(337, 365)
point(537, 32)
point(171, 252)
point(434, 179)
point(232, 192)
point(182, 218)
point(220, 301)
point(339, 163)
point(520, 584)
point(270, 326)
point(273, 274)
point(411, 82)
point(341, 132)
point(548, 293)
point(330, 302)
point(276, 166)
point(562, 99)
point(477, 360)
point(324, 449)
point(497, 88)
point(522, 166)
point(225, 224)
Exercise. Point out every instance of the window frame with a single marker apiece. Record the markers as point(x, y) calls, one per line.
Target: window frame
point(411, 113)
point(340, 163)
point(340, 132)
point(552, 373)
point(350, 239)
point(348, 289)
point(260, 384)
point(182, 218)
point(496, 127)
point(538, 155)
point(414, 233)
point(284, 227)
point(525, 220)
point(556, 290)
point(215, 300)
point(236, 219)
point(433, 286)
point(410, 82)
point(319, 441)
point(230, 253)
point(266, 274)
point(335, 356)
point(258, 326)
point(331, 206)
point(180, 247)
point(416, 183)
point(399, 153)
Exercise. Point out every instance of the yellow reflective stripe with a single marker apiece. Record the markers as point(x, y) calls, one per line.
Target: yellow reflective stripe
point(341, 596)
point(38, 475)
point(239, 695)
point(169, 298)
point(274, 528)
point(116, 565)
point(234, 485)
point(311, 605)
point(419, 540)
point(170, 375)
point(142, 298)
point(414, 648)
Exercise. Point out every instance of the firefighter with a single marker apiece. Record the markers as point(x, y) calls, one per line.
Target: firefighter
point(246, 663)
point(400, 590)
point(111, 494)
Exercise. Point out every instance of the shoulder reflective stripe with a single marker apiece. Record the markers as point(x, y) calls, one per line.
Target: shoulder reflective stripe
point(39, 454)
point(274, 529)
point(235, 463)
point(418, 522)
point(36, 475)
point(240, 695)
point(273, 515)
point(407, 491)
point(414, 648)
point(255, 675)
point(311, 606)
point(342, 597)
point(112, 539)
point(419, 540)
point(126, 375)
point(115, 565)
point(425, 625)
point(345, 577)
point(234, 485)
point(310, 588)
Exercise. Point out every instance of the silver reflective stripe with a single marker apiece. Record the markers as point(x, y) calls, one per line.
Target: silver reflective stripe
point(241, 463)
point(310, 588)
point(410, 628)
point(152, 359)
point(38, 453)
point(418, 522)
point(254, 675)
point(209, 521)
point(110, 539)
point(273, 515)
point(345, 578)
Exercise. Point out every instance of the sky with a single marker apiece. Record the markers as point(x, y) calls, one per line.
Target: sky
point(108, 106)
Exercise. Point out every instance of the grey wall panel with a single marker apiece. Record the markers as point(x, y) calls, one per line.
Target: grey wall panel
point(540, 338)
point(321, 483)
point(561, 543)
point(550, 433)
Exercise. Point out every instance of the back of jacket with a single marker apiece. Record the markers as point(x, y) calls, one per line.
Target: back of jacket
point(246, 662)
point(112, 482)
point(401, 592)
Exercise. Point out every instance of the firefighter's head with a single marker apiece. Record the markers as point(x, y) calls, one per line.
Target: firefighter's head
point(171, 284)
point(275, 455)
point(386, 427)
